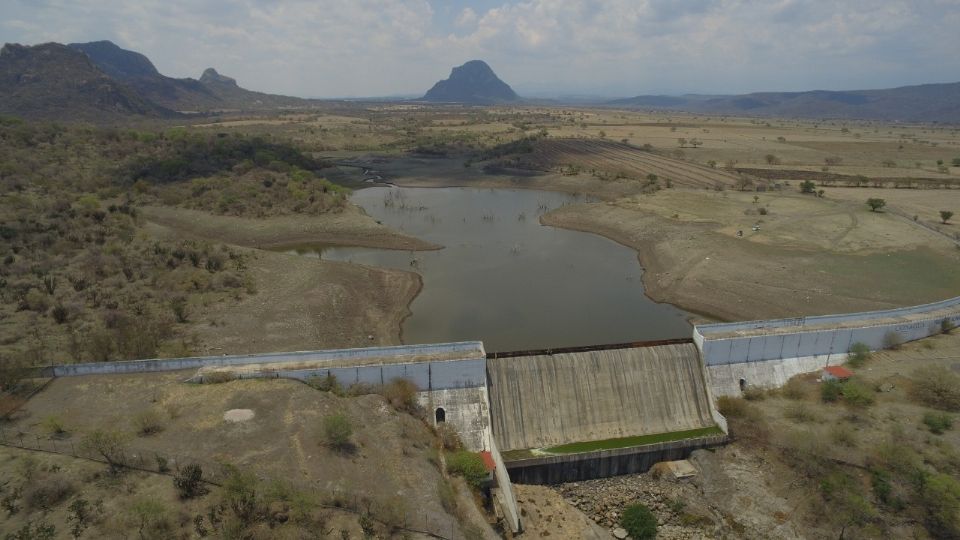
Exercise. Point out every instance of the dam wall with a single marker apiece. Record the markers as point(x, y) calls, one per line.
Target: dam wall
point(547, 400)
point(768, 353)
point(605, 463)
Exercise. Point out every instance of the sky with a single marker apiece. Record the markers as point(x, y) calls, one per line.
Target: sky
point(357, 48)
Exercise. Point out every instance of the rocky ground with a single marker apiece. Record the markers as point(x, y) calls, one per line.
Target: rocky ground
point(731, 496)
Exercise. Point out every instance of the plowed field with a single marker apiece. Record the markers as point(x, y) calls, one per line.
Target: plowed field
point(618, 158)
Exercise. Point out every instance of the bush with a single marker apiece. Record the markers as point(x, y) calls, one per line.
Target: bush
point(858, 355)
point(937, 387)
point(794, 389)
point(937, 422)
point(892, 340)
point(401, 394)
point(218, 377)
point(732, 407)
point(941, 499)
point(189, 481)
point(46, 492)
point(54, 425)
point(469, 465)
point(830, 391)
point(752, 393)
point(843, 435)
point(337, 431)
point(639, 522)
point(857, 394)
point(946, 326)
point(148, 422)
point(326, 384)
point(800, 412)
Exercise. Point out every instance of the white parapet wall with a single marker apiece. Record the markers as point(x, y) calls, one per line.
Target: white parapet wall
point(466, 410)
point(767, 353)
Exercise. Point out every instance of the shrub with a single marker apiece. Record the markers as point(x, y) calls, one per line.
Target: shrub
point(108, 445)
point(941, 500)
point(148, 422)
point(449, 438)
point(53, 424)
point(326, 384)
point(946, 326)
point(800, 412)
point(892, 340)
point(937, 422)
point(937, 387)
point(830, 391)
point(189, 481)
point(843, 435)
point(150, 516)
point(876, 204)
point(337, 431)
point(218, 377)
point(46, 492)
point(469, 465)
point(858, 355)
point(752, 393)
point(639, 522)
point(732, 407)
point(857, 394)
point(401, 394)
point(794, 389)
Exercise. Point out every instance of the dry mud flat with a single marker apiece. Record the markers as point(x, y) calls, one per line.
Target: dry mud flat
point(810, 256)
point(299, 303)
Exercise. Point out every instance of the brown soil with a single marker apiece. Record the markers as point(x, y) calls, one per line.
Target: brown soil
point(810, 256)
point(391, 461)
point(351, 227)
point(307, 304)
point(544, 514)
point(299, 303)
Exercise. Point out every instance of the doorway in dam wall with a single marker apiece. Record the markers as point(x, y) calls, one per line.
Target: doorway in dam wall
point(440, 415)
point(743, 384)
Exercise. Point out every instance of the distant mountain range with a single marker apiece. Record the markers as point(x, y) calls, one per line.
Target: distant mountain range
point(99, 81)
point(922, 103)
point(473, 83)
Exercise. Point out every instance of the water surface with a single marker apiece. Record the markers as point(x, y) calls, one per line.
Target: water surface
point(505, 279)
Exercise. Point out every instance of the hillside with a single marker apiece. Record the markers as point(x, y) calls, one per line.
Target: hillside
point(473, 82)
point(138, 72)
point(922, 103)
point(53, 81)
point(211, 92)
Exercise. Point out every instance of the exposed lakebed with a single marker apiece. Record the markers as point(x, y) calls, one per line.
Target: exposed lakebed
point(504, 278)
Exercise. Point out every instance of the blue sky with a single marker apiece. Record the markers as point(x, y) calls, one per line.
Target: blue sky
point(332, 48)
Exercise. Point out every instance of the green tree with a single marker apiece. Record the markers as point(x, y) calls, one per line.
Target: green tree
point(189, 481)
point(876, 204)
point(945, 215)
point(808, 186)
point(859, 353)
point(639, 522)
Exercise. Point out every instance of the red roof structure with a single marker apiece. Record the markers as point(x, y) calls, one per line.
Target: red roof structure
point(839, 372)
point(488, 460)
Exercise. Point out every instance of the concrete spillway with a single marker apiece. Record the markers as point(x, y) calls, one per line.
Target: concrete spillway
point(552, 399)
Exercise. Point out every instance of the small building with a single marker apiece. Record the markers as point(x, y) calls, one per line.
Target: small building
point(836, 373)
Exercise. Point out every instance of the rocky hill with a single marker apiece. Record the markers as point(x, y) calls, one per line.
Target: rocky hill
point(473, 82)
point(922, 103)
point(232, 95)
point(138, 72)
point(53, 81)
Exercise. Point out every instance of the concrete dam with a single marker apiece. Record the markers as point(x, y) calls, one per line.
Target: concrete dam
point(587, 412)
point(554, 399)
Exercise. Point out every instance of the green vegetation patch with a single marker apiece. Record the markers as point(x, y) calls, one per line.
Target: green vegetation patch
point(628, 442)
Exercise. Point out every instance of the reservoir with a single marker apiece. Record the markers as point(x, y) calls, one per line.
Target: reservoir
point(504, 278)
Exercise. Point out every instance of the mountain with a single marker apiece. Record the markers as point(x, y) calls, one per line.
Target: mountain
point(138, 72)
point(473, 82)
point(922, 103)
point(227, 89)
point(212, 92)
point(53, 81)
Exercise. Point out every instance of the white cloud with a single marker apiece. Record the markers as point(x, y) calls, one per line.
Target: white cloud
point(377, 47)
point(466, 18)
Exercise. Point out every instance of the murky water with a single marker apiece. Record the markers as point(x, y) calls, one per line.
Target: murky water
point(507, 280)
